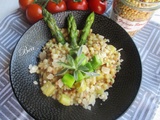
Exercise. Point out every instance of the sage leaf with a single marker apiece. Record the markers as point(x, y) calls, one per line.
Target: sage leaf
point(79, 51)
point(83, 68)
point(80, 61)
point(71, 60)
point(65, 65)
point(62, 72)
point(75, 74)
point(93, 74)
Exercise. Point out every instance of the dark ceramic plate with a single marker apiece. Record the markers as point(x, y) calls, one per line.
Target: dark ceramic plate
point(121, 95)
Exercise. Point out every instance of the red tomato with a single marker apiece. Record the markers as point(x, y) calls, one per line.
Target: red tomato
point(98, 6)
point(53, 7)
point(77, 4)
point(34, 13)
point(24, 3)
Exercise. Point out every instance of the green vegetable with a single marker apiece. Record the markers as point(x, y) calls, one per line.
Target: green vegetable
point(72, 31)
point(82, 87)
point(68, 80)
point(81, 59)
point(89, 66)
point(96, 62)
point(86, 29)
point(65, 100)
point(55, 31)
point(62, 72)
point(78, 75)
point(48, 88)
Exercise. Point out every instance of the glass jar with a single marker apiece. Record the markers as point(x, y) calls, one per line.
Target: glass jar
point(132, 15)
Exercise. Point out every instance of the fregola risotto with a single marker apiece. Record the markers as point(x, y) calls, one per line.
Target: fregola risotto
point(83, 92)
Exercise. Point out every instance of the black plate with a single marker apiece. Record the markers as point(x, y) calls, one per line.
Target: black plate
point(121, 95)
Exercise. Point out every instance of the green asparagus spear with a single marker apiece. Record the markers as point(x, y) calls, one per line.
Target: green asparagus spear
point(72, 30)
point(86, 29)
point(55, 31)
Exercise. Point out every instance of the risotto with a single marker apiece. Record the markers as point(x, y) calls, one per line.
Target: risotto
point(86, 91)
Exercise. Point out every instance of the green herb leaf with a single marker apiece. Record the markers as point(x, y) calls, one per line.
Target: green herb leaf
point(71, 60)
point(79, 51)
point(62, 72)
point(75, 75)
point(80, 61)
point(65, 65)
point(78, 75)
point(91, 74)
point(83, 68)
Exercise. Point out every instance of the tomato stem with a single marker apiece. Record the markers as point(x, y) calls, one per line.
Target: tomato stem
point(103, 0)
point(45, 4)
point(39, 2)
point(56, 1)
point(77, 0)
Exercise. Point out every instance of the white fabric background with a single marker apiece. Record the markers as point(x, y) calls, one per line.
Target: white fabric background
point(7, 7)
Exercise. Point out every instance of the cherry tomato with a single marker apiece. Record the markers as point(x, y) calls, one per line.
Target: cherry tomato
point(34, 13)
point(54, 7)
point(98, 6)
point(77, 4)
point(24, 3)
